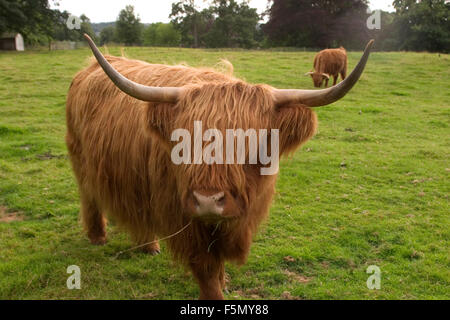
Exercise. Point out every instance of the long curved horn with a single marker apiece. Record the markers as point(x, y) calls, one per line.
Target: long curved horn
point(136, 90)
point(317, 98)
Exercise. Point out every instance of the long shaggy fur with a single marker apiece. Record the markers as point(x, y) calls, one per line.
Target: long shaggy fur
point(120, 152)
point(332, 62)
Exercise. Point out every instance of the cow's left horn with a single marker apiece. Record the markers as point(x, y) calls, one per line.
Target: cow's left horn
point(136, 90)
point(317, 98)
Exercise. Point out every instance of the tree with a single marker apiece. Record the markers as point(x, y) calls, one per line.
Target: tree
point(190, 22)
point(86, 27)
point(38, 23)
point(167, 35)
point(318, 23)
point(225, 23)
point(385, 37)
point(61, 32)
point(128, 27)
point(33, 18)
point(161, 34)
point(149, 34)
point(234, 25)
point(422, 25)
point(107, 35)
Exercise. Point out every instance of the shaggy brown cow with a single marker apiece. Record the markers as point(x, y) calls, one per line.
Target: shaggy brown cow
point(120, 144)
point(327, 63)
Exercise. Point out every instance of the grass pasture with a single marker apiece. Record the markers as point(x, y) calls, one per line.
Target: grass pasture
point(371, 188)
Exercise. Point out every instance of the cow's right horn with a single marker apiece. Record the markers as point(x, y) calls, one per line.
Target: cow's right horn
point(136, 90)
point(323, 97)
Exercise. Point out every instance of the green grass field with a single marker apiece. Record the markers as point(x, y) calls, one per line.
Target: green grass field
point(371, 188)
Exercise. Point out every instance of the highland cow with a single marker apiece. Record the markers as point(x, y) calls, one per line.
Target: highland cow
point(120, 115)
point(327, 63)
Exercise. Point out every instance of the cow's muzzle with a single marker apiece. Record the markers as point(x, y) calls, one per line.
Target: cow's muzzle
point(212, 205)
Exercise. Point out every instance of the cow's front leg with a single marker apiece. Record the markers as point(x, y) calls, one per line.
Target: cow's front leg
point(210, 275)
point(335, 79)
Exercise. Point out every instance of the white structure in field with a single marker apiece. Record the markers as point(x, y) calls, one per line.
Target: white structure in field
point(12, 41)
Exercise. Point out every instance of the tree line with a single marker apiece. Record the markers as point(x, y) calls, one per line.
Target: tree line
point(416, 25)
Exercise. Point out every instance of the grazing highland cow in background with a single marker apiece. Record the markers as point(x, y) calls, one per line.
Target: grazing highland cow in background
point(327, 63)
point(120, 146)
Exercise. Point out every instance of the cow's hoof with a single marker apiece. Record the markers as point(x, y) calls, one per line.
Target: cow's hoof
point(154, 252)
point(152, 249)
point(98, 241)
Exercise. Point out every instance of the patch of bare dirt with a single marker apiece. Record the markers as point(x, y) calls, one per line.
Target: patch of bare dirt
point(256, 293)
point(7, 217)
point(286, 295)
point(296, 277)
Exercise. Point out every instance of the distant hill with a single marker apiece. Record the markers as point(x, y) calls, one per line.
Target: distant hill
point(98, 27)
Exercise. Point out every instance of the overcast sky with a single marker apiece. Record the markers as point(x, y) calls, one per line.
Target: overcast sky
point(153, 10)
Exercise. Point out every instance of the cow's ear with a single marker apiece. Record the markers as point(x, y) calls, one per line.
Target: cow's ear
point(158, 121)
point(297, 124)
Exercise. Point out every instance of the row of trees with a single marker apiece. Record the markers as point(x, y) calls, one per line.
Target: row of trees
point(129, 30)
point(38, 23)
point(415, 25)
point(317, 23)
point(225, 23)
